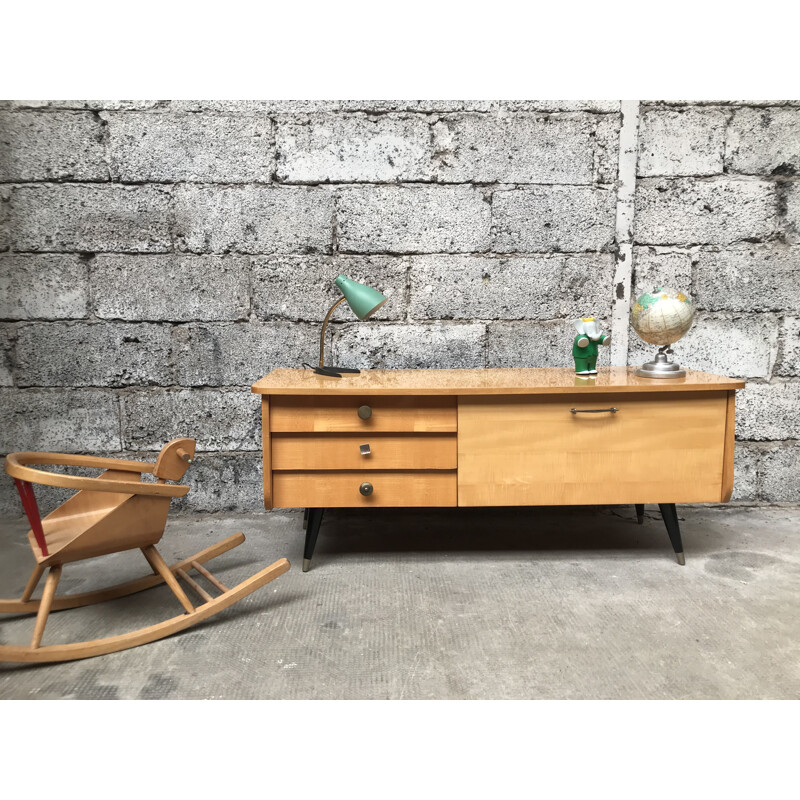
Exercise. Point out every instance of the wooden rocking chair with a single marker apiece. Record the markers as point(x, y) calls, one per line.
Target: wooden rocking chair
point(109, 514)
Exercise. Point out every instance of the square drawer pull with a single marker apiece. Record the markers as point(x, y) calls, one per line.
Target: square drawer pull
point(364, 450)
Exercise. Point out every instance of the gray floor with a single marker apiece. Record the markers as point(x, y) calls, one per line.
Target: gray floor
point(532, 603)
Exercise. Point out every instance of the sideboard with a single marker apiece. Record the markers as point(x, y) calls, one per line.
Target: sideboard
point(495, 437)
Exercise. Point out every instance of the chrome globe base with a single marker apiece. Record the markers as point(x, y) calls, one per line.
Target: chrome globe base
point(661, 367)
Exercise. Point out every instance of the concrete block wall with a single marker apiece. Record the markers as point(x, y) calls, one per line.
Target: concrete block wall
point(157, 257)
point(716, 213)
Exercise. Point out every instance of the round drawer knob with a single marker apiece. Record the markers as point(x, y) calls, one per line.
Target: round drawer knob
point(365, 412)
point(365, 489)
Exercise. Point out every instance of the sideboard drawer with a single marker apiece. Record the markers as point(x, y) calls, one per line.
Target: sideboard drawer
point(341, 489)
point(536, 451)
point(313, 414)
point(332, 451)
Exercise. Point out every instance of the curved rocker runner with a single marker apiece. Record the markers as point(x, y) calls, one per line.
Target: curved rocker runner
point(109, 514)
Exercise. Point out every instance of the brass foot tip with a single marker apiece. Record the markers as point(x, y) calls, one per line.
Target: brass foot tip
point(306, 564)
point(681, 559)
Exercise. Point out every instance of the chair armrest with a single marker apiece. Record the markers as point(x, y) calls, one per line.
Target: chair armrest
point(16, 468)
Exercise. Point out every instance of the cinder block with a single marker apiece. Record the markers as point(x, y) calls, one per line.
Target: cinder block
point(569, 219)
point(688, 141)
point(354, 147)
point(409, 346)
point(745, 472)
point(86, 105)
point(276, 280)
point(791, 212)
point(240, 354)
point(534, 344)
point(515, 148)
point(748, 278)
point(653, 269)
point(586, 287)
point(384, 106)
point(90, 218)
point(92, 354)
point(256, 106)
point(596, 106)
point(779, 476)
point(721, 102)
point(179, 288)
point(43, 287)
point(430, 106)
point(253, 219)
point(5, 203)
point(223, 482)
point(768, 412)
point(606, 154)
point(540, 287)
point(64, 145)
point(402, 219)
point(5, 233)
point(216, 418)
point(294, 107)
point(788, 362)
point(190, 147)
point(480, 287)
point(7, 337)
point(739, 346)
point(80, 420)
point(764, 141)
point(686, 211)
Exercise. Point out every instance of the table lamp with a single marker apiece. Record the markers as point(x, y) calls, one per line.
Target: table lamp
point(364, 301)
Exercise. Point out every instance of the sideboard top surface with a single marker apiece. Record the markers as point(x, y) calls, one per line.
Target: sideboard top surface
point(537, 380)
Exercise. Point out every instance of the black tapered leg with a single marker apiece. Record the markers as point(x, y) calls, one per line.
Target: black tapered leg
point(639, 512)
point(670, 516)
point(312, 531)
point(305, 519)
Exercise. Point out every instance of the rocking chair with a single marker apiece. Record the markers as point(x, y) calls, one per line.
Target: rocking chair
point(109, 514)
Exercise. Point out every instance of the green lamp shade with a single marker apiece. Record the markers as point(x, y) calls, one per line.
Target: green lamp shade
point(362, 299)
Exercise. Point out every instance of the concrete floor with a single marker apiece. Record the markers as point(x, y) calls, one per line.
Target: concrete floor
point(416, 604)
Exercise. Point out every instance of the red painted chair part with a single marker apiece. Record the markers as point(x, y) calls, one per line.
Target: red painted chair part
point(32, 511)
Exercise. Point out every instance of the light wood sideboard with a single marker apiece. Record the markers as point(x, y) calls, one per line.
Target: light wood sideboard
point(495, 437)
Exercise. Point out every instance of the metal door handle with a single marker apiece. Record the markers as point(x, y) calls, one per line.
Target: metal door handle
point(611, 410)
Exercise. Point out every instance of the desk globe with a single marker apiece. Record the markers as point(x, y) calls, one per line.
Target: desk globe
point(662, 317)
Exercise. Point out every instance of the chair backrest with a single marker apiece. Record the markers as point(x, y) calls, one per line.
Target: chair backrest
point(174, 459)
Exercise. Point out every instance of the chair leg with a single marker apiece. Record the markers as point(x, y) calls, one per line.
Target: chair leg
point(312, 532)
point(48, 594)
point(670, 517)
point(639, 512)
point(33, 582)
point(160, 566)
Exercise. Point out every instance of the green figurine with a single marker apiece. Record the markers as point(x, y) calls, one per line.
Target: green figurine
point(584, 348)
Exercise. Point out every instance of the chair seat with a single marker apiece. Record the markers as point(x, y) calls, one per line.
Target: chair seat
point(93, 524)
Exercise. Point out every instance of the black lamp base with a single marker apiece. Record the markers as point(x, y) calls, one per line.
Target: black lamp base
point(335, 372)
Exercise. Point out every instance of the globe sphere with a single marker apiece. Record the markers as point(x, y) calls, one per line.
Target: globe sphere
point(662, 316)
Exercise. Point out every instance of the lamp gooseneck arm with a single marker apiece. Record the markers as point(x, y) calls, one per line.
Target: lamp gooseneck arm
point(324, 328)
